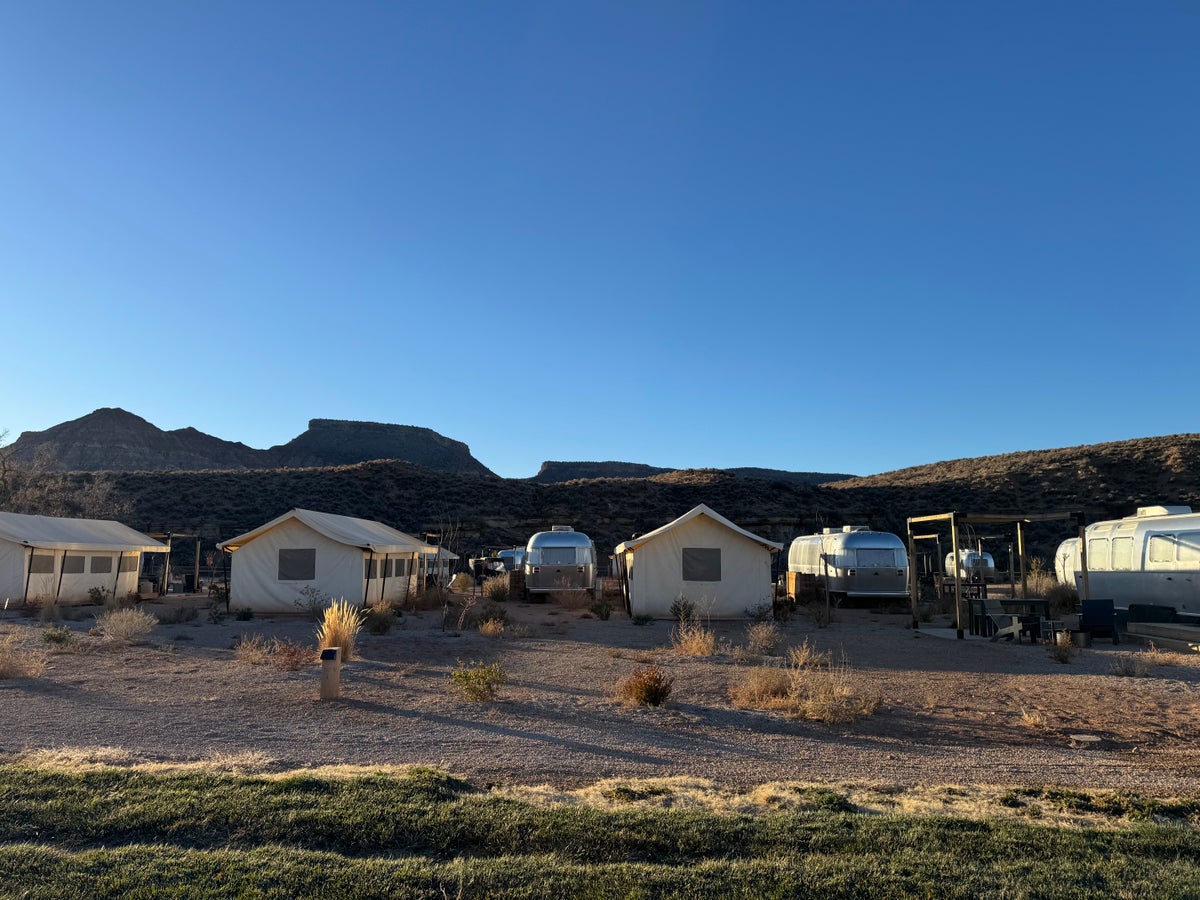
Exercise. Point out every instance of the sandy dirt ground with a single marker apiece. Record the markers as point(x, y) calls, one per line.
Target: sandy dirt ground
point(951, 711)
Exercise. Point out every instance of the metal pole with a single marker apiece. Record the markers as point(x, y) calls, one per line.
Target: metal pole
point(1083, 566)
point(913, 588)
point(958, 617)
point(1024, 571)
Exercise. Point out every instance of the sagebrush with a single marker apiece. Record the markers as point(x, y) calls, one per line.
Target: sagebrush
point(646, 686)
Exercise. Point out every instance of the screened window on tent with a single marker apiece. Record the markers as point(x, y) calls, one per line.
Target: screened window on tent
point(297, 565)
point(42, 564)
point(101, 565)
point(701, 564)
point(73, 565)
point(129, 562)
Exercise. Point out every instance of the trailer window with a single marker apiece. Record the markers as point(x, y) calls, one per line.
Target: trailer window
point(1162, 548)
point(558, 556)
point(1122, 554)
point(1098, 554)
point(876, 558)
point(701, 563)
point(42, 564)
point(1189, 547)
point(298, 565)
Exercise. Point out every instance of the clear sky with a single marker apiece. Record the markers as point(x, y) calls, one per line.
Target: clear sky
point(832, 236)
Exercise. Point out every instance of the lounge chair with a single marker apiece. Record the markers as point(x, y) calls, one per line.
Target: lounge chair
point(1007, 625)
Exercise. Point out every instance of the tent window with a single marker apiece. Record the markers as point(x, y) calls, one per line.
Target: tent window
point(387, 568)
point(701, 563)
point(42, 564)
point(73, 565)
point(297, 565)
point(1122, 554)
point(370, 568)
point(129, 562)
point(101, 565)
point(401, 567)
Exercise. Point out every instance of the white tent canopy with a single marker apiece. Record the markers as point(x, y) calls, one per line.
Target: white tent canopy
point(50, 558)
point(720, 568)
point(273, 566)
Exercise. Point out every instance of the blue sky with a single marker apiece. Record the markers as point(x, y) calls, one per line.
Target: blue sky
point(831, 236)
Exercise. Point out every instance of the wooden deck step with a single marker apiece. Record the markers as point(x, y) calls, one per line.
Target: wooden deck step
point(1171, 630)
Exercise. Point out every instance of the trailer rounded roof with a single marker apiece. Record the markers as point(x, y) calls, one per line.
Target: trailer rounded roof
point(559, 539)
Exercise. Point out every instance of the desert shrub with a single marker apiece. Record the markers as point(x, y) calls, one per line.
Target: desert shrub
point(1063, 598)
point(125, 626)
point(683, 610)
point(177, 615)
point(693, 639)
point(1157, 657)
point(761, 687)
point(339, 627)
point(807, 656)
point(291, 657)
point(1062, 649)
point(216, 615)
point(763, 612)
point(646, 686)
point(1131, 665)
point(17, 661)
point(113, 603)
point(381, 617)
point(243, 614)
point(827, 693)
point(601, 609)
point(491, 628)
point(493, 612)
point(57, 635)
point(313, 602)
point(251, 650)
point(1038, 579)
point(495, 588)
point(762, 638)
point(460, 583)
point(476, 681)
point(431, 597)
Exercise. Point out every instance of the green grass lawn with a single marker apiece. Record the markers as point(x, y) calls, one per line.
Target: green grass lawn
point(426, 834)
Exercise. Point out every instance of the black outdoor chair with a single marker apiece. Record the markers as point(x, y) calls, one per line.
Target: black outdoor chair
point(1097, 617)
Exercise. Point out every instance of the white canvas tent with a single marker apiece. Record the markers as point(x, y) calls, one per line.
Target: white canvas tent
point(437, 565)
point(358, 560)
point(50, 558)
point(702, 557)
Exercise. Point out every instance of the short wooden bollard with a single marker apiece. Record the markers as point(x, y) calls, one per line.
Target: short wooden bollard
point(331, 673)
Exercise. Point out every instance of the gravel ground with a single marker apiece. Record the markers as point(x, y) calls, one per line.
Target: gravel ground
point(950, 712)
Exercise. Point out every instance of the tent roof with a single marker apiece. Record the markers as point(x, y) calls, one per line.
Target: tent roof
point(700, 510)
point(51, 533)
point(442, 553)
point(362, 533)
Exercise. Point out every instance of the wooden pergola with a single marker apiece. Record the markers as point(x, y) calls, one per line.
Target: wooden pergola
point(955, 519)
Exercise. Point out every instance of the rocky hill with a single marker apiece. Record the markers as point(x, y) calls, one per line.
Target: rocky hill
point(481, 511)
point(555, 472)
point(116, 440)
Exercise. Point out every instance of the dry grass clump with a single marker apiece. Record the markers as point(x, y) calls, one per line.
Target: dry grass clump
point(495, 588)
point(1156, 657)
point(251, 650)
point(1033, 719)
point(460, 583)
point(1132, 665)
point(764, 687)
point(491, 628)
point(762, 638)
point(290, 656)
point(339, 627)
point(17, 661)
point(647, 686)
point(690, 638)
point(812, 686)
point(125, 626)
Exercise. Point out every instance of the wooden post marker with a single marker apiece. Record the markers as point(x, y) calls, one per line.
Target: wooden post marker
point(331, 673)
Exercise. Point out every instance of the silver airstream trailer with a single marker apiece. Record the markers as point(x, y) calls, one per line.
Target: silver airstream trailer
point(1152, 557)
point(562, 559)
point(972, 565)
point(853, 561)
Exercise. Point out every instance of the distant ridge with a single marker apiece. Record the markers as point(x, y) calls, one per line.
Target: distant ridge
point(558, 472)
point(115, 440)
